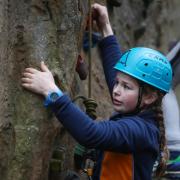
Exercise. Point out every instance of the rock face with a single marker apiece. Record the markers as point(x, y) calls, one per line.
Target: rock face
point(33, 145)
point(146, 23)
point(32, 31)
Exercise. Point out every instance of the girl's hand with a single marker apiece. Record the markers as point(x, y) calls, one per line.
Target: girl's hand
point(41, 82)
point(100, 15)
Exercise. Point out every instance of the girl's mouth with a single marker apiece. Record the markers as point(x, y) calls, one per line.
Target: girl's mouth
point(116, 102)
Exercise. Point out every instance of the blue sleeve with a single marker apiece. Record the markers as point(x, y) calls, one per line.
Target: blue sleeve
point(123, 135)
point(110, 54)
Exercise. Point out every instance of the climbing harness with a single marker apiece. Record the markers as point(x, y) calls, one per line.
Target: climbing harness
point(85, 158)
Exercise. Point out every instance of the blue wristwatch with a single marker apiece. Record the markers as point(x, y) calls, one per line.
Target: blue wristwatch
point(52, 97)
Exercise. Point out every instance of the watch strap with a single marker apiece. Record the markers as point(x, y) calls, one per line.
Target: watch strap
point(48, 101)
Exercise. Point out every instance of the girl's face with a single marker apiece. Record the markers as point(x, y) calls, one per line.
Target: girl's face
point(125, 93)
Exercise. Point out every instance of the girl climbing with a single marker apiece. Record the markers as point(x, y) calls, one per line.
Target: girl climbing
point(133, 138)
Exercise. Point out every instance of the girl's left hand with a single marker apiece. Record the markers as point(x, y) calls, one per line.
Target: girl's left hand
point(40, 82)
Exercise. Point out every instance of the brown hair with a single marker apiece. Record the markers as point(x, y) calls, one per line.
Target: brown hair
point(157, 108)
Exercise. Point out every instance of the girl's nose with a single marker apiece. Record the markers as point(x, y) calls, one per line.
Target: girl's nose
point(117, 90)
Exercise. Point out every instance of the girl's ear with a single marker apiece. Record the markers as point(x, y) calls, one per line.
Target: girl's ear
point(149, 98)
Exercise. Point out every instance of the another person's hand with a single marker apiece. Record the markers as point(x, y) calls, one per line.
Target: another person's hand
point(100, 15)
point(41, 82)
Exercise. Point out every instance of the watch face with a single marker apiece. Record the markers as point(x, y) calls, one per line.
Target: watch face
point(54, 96)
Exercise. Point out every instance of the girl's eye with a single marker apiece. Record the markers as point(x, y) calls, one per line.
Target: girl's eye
point(126, 86)
point(116, 82)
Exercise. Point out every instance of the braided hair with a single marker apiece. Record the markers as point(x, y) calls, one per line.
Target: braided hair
point(156, 107)
point(164, 153)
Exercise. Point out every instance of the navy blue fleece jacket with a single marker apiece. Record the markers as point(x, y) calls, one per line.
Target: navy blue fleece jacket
point(136, 135)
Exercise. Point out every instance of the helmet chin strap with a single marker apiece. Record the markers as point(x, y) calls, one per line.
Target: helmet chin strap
point(138, 108)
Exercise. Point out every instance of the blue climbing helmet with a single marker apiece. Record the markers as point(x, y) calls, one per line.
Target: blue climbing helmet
point(147, 65)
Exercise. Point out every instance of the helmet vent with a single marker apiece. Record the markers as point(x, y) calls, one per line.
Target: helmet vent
point(146, 64)
point(143, 75)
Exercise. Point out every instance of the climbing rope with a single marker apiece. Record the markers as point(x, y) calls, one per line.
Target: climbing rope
point(90, 45)
point(90, 106)
point(86, 158)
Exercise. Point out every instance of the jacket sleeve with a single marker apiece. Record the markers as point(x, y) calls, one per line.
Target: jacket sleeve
point(123, 135)
point(110, 54)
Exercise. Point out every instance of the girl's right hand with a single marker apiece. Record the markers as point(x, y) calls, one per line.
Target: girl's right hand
point(100, 15)
point(41, 82)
